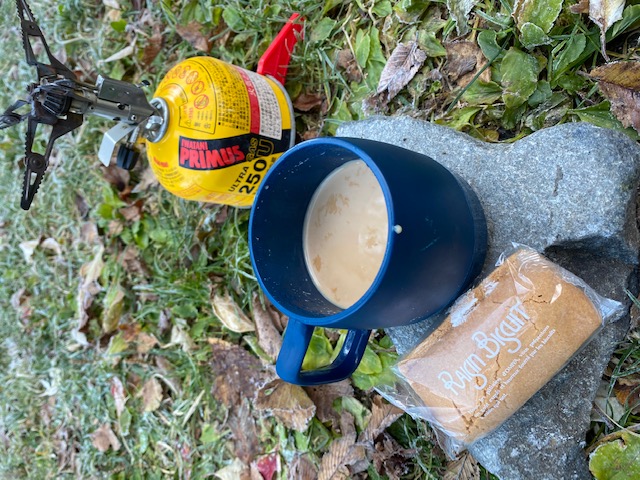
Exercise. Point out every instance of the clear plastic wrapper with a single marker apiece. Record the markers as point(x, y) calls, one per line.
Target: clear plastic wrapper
point(498, 345)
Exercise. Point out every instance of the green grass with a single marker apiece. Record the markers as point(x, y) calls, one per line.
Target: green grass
point(56, 392)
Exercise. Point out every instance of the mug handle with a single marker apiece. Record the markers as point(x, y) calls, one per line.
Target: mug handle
point(294, 347)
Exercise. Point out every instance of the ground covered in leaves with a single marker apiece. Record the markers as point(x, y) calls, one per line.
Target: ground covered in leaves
point(134, 340)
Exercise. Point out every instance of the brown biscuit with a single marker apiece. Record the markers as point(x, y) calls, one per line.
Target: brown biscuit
point(500, 343)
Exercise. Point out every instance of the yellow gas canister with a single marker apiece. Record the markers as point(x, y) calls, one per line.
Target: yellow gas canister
point(224, 127)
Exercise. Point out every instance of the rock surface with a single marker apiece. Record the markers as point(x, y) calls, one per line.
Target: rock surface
point(570, 192)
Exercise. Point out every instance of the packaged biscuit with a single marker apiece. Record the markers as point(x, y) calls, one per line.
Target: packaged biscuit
point(498, 345)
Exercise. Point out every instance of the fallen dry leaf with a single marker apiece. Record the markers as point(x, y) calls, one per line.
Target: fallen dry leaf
point(267, 465)
point(342, 452)
point(581, 7)
point(132, 213)
point(28, 248)
point(127, 51)
point(113, 308)
point(464, 60)
point(323, 397)
point(89, 233)
point(403, 64)
point(236, 470)
point(464, 468)
point(239, 374)
point(302, 468)
point(145, 342)
point(118, 177)
point(383, 414)
point(230, 314)
point(52, 245)
point(82, 206)
point(269, 338)
point(151, 50)
point(619, 82)
point(628, 396)
point(289, 403)
point(151, 394)
point(89, 286)
point(192, 33)
point(117, 391)
point(605, 13)
point(390, 459)
point(130, 260)
point(244, 434)
point(104, 438)
point(306, 101)
point(182, 338)
point(20, 302)
point(347, 61)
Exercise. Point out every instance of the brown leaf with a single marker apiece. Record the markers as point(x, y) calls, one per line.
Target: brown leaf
point(145, 342)
point(307, 101)
point(390, 459)
point(269, 338)
point(89, 287)
point(132, 213)
point(347, 62)
point(152, 49)
point(619, 82)
point(403, 64)
point(130, 260)
point(89, 233)
point(342, 452)
point(82, 206)
point(151, 394)
point(287, 402)
point(383, 414)
point(464, 468)
point(104, 438)
point(280, 319)
point(581, 7)
point(115, 228)
point(464, 61)
point(239, 374)
point(324, 395)
point(192, 33)
point(20, 302)
point(117, 391)
point(309, 134)
point(302, 468)
point(118, 177)
point(244, 433)
point(623, 73)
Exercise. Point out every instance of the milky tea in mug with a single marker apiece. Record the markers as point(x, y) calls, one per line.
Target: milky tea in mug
point(345, 233)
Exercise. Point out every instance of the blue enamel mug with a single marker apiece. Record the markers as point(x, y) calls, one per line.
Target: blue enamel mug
point(435, 247)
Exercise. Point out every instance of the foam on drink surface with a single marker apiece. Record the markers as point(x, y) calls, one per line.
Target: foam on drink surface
point(345, 233)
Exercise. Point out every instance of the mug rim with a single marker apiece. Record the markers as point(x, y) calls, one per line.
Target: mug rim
point(342, 142)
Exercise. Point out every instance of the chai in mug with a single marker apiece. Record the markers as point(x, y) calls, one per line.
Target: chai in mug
point(345, 233)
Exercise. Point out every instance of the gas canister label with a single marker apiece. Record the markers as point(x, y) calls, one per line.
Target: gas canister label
point(207, 154)
point(266, 118)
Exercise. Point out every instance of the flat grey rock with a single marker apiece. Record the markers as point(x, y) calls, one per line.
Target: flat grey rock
point(570, 192)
